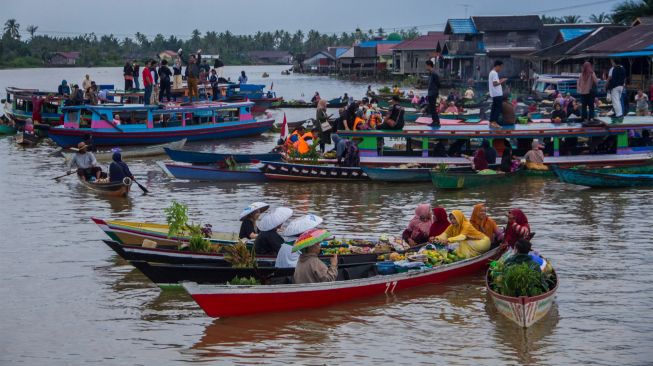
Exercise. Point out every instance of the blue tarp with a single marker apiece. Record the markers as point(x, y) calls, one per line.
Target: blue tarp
point(571, 33)
point(374, 43)
point(633, 54)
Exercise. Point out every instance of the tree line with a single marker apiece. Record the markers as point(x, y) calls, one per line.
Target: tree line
point(19, 50)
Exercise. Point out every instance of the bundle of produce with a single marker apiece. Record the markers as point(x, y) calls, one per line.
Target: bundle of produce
point(519, 279)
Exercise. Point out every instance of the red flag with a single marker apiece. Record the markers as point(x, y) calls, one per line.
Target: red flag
point(284, 128)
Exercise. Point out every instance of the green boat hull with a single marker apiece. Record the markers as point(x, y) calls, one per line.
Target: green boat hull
point(468, 180)
point(626, 169)
point(7, 130)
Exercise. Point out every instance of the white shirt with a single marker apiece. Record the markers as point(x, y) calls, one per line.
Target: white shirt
point(495, 91)
point(286, 258)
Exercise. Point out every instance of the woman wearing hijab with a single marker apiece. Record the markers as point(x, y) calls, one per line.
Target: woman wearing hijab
point(535, 157)
point(479, 161)
point(483, 223)
point(517, 227)
point(461, 233)
point(490, 152)
point(587, 85)
point(248, 218)
point(419, 226)
point(118, 170)
point(64, 89)
point(440, 223)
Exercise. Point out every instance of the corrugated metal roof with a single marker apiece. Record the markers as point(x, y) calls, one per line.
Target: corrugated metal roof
point(569, 34)
point(340, 51)
point(507, 23)
point(634, 39)
point(426, 42)
point(461, 26)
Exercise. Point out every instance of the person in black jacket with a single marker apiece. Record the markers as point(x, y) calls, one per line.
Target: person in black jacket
point(433, 92)
point(165, 75)
point(128, 73)
point(615, 86)
point(136, 69)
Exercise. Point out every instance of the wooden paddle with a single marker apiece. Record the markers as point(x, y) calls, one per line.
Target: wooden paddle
point(65, 175)
point(141, 187)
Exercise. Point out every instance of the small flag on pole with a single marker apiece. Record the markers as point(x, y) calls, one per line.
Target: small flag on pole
point(284, 128)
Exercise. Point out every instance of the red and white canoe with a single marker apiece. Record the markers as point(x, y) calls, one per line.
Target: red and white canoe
point(228, 301)
point(523, 311)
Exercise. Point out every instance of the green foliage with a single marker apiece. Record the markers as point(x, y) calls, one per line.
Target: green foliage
point(628, 11)
point(239, 256)
point(385, 90)
point(177, 218)
point(519, 280)
point(197, 241)
point(442, 168)
point(567, 19)
point(250, 281)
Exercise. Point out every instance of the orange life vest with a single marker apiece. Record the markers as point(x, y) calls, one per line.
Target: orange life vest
point(357, 122)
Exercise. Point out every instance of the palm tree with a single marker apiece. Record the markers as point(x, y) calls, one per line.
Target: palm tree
point(628, 11)
point(600, 18)
point(12, 28)
point(549, 20)
point(31, 30)
point(570, 19)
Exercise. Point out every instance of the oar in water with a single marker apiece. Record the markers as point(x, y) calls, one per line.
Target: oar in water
point(65, 175)
point(141, 187)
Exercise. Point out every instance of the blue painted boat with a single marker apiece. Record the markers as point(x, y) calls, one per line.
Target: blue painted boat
point(398, 174)
point(153, 124)
point(212, 173)
point(311, 173)
point(602, 180)
point(196, 157)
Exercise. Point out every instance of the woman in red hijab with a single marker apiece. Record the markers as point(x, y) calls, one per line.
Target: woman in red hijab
point(440, 222)
point(517, 227)
point(418, 228)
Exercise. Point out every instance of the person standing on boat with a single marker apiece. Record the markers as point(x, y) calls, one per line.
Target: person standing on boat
point(86, 86)
point(310, 269)
point(176, 72)
point(287, 258)
point(268, 241)
point(213, 80)
point(76, 96)
point(165, 75)
point(323, 125)
point(118, 170)
point(85, 162)
point(137, 70)
point(148, 83)
point(192, 73)
point(496, 93)
point(248, 219)
point(242, 79)
point(615, 86)
point(432, 94)
point(218, 66)
point(128, 74)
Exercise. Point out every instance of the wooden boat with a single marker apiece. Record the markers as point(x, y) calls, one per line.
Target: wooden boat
point(212, 173)
point(135, 153)
point(134, 233)
point(27, 139)
point(19, 106)
point(115, 189)
point(523, 311)
point(198, 121)
point(468, 179)
point(228, 301)
point(398, 174)
point(7, 130)
point(602, 180)
point(304, 172)
point(197, 157)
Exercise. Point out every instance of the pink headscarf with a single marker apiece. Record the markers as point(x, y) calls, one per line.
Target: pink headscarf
point(416, 224)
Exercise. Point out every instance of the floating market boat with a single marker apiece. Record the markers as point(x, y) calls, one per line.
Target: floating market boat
point(134, 233)
point(213, 173)
point(135, 153)
point(331, 103)
point(197, 157)
point(27, 139)
point(469, 179)
point(204, 121)
point(305, 172)
point(39, 105)
point(407, 174)
point(228, 300)
point(115, 189)
point(610, 143)
point(603, 180)
point(524, 310)
point(7, 129)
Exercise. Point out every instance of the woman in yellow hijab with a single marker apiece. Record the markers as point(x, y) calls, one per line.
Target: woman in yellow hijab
point(471, 242)
point(483, 223)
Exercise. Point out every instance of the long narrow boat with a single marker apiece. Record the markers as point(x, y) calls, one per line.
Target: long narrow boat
point(134, 233)
point(135, 153)
point(115, 189)
point(471, 179)
point(602, 180)
point(7, 129)
point(406, 175)
point(20, 105)
point(523, 311)
point(228, 301)
point(198, 157)
point(310, 173)
point(151, 124)
point(212, 173)
point(175, 256)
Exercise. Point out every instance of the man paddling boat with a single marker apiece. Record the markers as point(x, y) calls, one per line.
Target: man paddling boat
point(85, 162)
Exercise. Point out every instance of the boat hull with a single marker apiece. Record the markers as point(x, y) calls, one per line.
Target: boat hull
point(114, 189)
point(228, 301)
point(211, 173)
point(450, 180)
point(523, 311)
point(308, 173)
point(196, 157)
point(66, 137)
point(145, 152)
point(602, 180)
point(398, 175)
point(7, 130)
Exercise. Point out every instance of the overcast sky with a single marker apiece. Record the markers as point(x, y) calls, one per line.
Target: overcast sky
point(180, 17)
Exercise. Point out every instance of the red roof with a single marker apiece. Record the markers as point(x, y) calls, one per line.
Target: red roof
point(384, 49)
point(426, 42)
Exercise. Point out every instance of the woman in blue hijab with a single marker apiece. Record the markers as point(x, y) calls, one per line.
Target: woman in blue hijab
point(64, 89)
point(118, 170)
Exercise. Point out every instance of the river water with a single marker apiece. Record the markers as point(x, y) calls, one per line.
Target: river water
point(66, 298)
